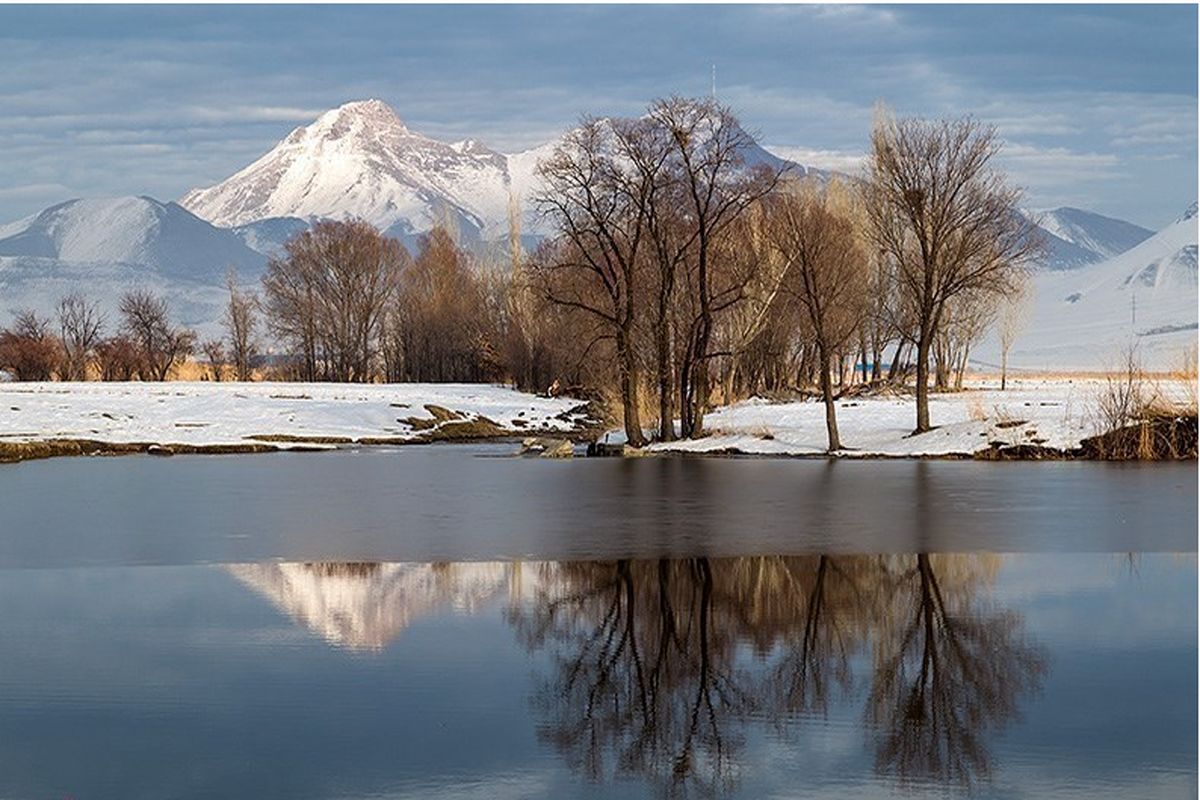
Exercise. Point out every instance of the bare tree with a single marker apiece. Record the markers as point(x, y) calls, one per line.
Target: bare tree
point(28, 351)
point(327, 297)
point(965, 320)
point(80, 324)
point(443, 321)
point(593, 266)
point(214, 354)
point(1014, 316)
point(117, 358)
point(709, 149)
point(240, 321)
point(161, 346)
point(827, 273)
point(947, 220)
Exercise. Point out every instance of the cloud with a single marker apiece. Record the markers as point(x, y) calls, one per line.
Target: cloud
point(157, 103)
point(836, 160)
point(1041, 167)
point(244, 113)
point(36, 191)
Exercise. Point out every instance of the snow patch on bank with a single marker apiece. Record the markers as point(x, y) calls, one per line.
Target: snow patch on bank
point(1053, 414)
point(203, 414)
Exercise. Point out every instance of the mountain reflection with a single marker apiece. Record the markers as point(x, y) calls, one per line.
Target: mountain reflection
point(657, 668)
point(365, 605)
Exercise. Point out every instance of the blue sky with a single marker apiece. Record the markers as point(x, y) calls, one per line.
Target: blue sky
point(1097, 104)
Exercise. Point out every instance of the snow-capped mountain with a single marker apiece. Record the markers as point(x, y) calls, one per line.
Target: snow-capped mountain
point(138, 231)
point(105, 247)
point(1076, 238)
point(365, 606)
point(361, 160)
point(1088, 317)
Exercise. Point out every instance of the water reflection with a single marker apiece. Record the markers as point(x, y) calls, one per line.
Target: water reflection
point(650, 677)
point(659, 669)
point(947, 669)
point(365, 605)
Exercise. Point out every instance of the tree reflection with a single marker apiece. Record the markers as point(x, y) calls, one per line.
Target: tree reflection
point(644, 681)
point(946, 670)
point(658, 666)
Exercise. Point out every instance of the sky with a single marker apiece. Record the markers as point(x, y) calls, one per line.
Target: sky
point(1096, 105)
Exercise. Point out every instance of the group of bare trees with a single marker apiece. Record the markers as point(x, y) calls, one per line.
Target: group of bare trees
point(146, 345)
point(352, 305)
point(678, 250)
point(643, 211)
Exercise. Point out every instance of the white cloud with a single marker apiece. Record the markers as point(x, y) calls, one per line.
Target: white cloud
point(836, 160)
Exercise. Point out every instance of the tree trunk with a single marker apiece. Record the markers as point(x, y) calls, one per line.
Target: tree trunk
point(894, 367)
point(1003, 369)
point(666, 382)
point(941, 368)
point(699, 398)
point(862, 346)
point(629, 391)
point(923, 346)
point(831, 428)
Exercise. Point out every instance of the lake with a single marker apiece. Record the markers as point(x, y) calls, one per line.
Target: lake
point(448, 621)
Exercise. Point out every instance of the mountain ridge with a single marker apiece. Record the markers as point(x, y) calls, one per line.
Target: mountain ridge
point(361, 160)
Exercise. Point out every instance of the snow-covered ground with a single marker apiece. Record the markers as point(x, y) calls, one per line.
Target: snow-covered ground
point(234, 413)
point(1049, 413)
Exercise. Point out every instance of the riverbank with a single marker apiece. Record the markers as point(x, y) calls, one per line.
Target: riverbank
point(1032, 418)
point(41, 420)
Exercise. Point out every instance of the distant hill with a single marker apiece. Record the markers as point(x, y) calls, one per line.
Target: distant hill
point(1076, 238)
point(104, 247)
point(1086, 318)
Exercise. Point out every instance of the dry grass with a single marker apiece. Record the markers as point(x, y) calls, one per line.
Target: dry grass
point(1136, 418)
point(976, 410)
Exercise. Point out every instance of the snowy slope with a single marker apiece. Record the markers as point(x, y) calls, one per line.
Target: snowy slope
point(1076, 238)
point(141, 231)
point(1104, 236)
point(268, 236)
point(1085, 318)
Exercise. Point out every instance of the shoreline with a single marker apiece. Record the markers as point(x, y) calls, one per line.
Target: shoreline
point(1040, 420)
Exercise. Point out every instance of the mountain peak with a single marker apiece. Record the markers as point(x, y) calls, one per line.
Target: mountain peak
point(357, 117)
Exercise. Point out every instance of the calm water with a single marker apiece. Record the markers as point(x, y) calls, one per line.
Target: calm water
point(443, 622)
